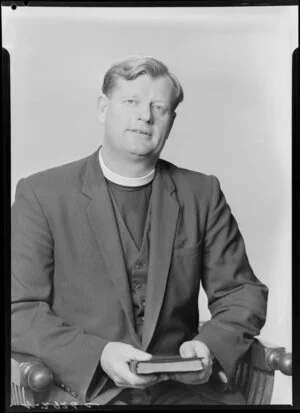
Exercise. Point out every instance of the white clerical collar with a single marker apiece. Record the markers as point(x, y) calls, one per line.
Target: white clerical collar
point(124, 180)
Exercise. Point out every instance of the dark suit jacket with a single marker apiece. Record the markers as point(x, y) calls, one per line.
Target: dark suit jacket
point(70, 290)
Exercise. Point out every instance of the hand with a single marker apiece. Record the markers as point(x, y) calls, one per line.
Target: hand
point(115, 360)
point(194, 348)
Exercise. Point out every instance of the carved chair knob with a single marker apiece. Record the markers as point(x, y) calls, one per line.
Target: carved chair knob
point(277, 359)
point(36, 376)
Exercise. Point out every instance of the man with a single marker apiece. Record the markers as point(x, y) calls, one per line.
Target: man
point(108, 254)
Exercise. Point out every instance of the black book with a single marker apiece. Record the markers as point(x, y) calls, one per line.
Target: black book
point(159, 364)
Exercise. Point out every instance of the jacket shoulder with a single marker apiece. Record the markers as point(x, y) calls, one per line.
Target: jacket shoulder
point(188, 180)
point(62, 176)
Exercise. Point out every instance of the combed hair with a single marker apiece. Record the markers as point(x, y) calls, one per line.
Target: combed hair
point(135, 66)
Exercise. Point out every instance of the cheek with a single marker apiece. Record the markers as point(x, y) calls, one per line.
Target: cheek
point(116, 123)
point(162, 131)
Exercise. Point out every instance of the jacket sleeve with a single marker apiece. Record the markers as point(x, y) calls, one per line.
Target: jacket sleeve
point(237, 299)
point(71, 354)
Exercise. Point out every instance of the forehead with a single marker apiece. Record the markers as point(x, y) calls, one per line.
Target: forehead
point(144, 85)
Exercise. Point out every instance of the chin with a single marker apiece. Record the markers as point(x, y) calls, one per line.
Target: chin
point(141, 153)
point(141, 150)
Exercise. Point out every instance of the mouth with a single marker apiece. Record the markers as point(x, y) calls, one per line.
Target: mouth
point(140, 132)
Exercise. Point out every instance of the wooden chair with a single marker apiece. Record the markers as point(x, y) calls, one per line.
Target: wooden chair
point(31, 380)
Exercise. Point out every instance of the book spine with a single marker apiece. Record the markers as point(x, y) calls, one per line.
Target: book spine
point(133, 366)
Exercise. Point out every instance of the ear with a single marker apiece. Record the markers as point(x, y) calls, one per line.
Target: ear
point(173, 116)
point(102, 103)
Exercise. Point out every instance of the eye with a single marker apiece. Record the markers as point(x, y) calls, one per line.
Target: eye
point(159, 108)
point(131, 102)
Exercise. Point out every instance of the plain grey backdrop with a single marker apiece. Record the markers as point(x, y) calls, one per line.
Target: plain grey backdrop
point(235, 122)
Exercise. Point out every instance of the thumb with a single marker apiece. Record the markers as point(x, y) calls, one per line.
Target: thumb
point(136, 354)
point(187, 349)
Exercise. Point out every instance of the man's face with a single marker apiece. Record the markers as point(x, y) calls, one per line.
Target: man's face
point(138, 116)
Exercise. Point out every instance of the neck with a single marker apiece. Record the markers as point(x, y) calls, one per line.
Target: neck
point(130, 168)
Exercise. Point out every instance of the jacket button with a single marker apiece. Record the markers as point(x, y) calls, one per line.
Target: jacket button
point(74, 394)
point(138, 285)
point(139, 266)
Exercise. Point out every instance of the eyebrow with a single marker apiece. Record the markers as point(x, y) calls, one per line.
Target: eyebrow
point(133, 95)
point(136, 96)
point(161, 101)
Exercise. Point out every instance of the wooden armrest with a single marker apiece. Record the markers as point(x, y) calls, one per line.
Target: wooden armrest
point(29, 372)
point(269, 357)
point(255, 374)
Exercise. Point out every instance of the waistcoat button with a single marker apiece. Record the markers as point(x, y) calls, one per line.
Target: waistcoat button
point(138, 285)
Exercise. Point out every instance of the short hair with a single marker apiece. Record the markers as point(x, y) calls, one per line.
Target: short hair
point(134, 66)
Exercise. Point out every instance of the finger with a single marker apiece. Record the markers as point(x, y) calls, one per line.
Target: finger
point(193, 351)
point(147, 383)
point(138, 379)
point(222, 377)
point(123, 377)
point(189, 377)
point(187, 349)
point(150, 381)
point(203, 352)
point(163, 377)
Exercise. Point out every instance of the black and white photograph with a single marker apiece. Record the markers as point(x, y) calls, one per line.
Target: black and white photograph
point(151, 205)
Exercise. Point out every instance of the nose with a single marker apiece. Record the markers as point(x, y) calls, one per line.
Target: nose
point(145, 113)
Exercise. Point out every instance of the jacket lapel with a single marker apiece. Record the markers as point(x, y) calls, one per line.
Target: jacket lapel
point(101, 215)
point(164, 216)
